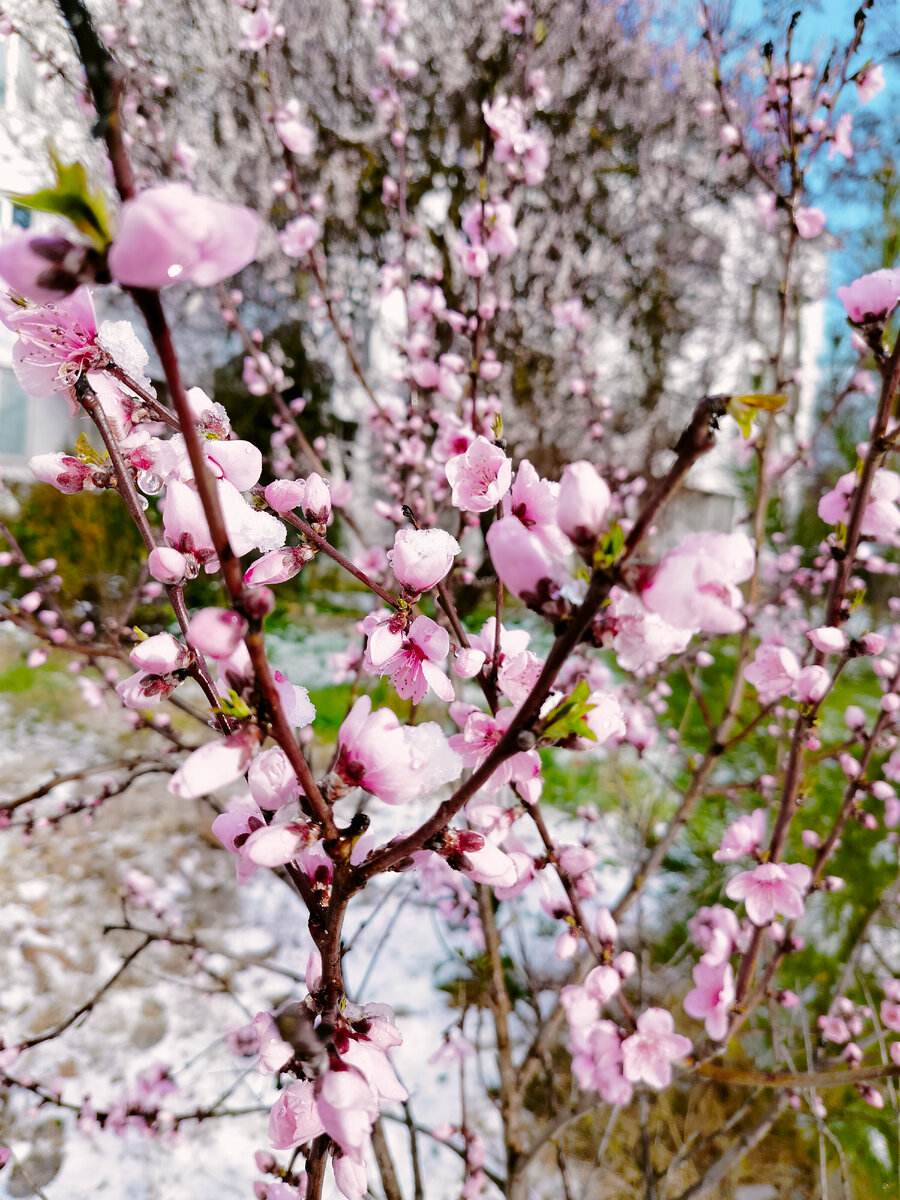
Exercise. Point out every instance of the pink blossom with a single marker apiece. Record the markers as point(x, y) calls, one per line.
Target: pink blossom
point(473, 259)
point(350, 1176)
point(640, 638)
point(494, 229)
point(274, 1052)
point(295, 1116)
point(521, 559)
point(479, 477)
point(869, 83)
point(744, 836)
point(170, 234)
point(712, 997)
point(299, 236)
point(348, 1108)
point(298, 138)
point(422, 557)
point(480, 735)
point(533, 501)
point(695, 585)
point(605, 719)
point(392, 762)
point(514, 16)
point(489, 865)
point(809, 221)
point(583, 503)
point(257, 29)
point(773, 672)
point(214, 765)
point(834, 1029)
point(55, 344)
point(770, 889)
point(648, 1054)
point(272, 780)
point(413, 668)
point(871, 297)
point(841, 141)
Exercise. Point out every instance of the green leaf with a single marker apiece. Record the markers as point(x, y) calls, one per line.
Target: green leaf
point(139, 633)
point(497, 427)
point(609, 547)
point(745, 408)
point(87, 453)
point(540, 32)
point(567, 718)
point(73, 198)
point(233, 706)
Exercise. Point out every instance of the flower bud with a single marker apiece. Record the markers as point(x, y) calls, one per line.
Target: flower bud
point(62, 471)
point(167, 565)
point(583, 504)
point(317, 502)
point(42, 269)
point(217, 631)
point(422, 557)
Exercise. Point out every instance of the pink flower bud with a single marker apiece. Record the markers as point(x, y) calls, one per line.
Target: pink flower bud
point(871, 297)
point(62, 471)
point(170, 234)
point(284, 495)
point(277, 566)
point(521, 559)
point(299, 236)
point(167, 565)
point(217, 631)
point(583, 503)
point(317, 502)
point(810, 222)
point(812, 684)
point(160, 654)
point(42, 269)
point(422, 557)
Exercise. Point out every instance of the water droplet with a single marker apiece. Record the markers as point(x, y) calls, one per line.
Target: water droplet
point(144, 502)
point(150, 484)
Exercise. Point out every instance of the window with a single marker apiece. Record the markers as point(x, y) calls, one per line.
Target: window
point(13, 416)
point(21, 217)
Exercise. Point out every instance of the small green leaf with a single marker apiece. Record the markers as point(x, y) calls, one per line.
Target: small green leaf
point(87, 453)
point(498, 427)
point(139, 633)
point(766, 401)
point(73, 198)
point(540, 32)
point(233, 706)
point(609, 547)
point(567, 718)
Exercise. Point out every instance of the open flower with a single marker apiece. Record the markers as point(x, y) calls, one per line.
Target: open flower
point(771, 889)
point(648, 1054)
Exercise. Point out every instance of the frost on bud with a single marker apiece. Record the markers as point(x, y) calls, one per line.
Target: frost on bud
point(62, 471)
point(422, 557)
point(284, 495)
point(583, 504)
point(317, 501)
